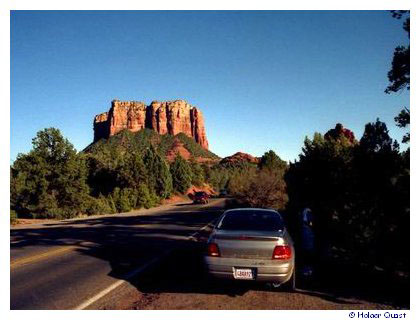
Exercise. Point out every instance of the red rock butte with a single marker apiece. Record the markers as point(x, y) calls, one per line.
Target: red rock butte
point(170, 117)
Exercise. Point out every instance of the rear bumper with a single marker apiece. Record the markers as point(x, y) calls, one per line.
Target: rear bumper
point(264, 270)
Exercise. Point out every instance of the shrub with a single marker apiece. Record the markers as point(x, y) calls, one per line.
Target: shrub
point(145, 199)
point(111, 204)
point(259, 188)
point(124, 199)
point(13, 217)
point(197, 171)
point(98, 206)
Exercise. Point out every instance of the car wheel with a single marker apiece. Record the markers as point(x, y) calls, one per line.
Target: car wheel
point(291, 284)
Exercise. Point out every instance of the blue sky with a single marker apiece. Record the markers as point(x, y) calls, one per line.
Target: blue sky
point(264, 80)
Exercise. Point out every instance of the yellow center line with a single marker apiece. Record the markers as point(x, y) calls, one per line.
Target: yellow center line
point(34, 258)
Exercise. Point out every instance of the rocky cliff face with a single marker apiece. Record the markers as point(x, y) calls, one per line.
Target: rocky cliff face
point(171, 117)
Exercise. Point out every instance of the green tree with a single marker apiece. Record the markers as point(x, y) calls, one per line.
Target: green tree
point(403, 121)
point(159, 176)
point(380, 197)
point(399, 75)
point(197, 172)
point(259, 188)
point(181, 174)
point(99, 205)
point(49, 181)
point(102, 172)
point(322, 179)
point(131, 171)
point(145, 198)
point(271, 161)
point(124, 199)
point(359, 194)
point(376, 138)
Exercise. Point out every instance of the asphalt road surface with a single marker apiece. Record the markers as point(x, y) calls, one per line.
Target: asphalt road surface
point(150, 259)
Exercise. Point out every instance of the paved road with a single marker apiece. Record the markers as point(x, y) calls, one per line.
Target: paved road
point(151, 260)
point(64, 265)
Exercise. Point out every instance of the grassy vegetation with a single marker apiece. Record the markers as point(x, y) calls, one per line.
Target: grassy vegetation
point(141, 140)
point(13, 216)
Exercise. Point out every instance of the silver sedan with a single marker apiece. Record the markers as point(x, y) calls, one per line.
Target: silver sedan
point(251, 244)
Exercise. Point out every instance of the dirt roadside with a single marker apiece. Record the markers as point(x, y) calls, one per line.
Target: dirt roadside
point(179, 283)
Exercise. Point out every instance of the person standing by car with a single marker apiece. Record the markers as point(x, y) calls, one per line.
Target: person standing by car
point(308, 242)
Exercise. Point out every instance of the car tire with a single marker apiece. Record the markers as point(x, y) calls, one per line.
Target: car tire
point(291, 284)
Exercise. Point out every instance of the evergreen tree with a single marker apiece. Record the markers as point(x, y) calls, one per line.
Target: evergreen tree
point(145, 199)
point(181, 174)
point(376, 139)
point(49, 181)
point(123, 199)
point(399, 75)
point(159, 176)
point(359, 194)
point(131, 171)
point(270, 160)
point(197, 173)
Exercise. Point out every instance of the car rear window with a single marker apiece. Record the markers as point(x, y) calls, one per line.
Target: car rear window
point(252, 220)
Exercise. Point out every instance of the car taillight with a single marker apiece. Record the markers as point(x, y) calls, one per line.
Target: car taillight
point(213, 250)
point(282, 252)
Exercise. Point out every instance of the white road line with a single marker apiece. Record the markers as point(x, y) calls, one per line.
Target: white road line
point(133, 273)
point(116, 284)
point(17, 241)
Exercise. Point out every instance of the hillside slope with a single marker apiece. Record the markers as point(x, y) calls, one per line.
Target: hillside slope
point(167, 145)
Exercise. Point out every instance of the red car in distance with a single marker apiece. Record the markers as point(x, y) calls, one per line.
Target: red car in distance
point(201, 197)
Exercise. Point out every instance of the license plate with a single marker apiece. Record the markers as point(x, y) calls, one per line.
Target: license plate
point(241, 273)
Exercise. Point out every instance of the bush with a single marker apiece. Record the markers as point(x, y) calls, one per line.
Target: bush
point(197, 171)
point(123, 199)
point(145, 199)
point(98, 206)
point(218, 176)
point(259, 188)
point(13, 217)
point(56, 213)
point(111, 203)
